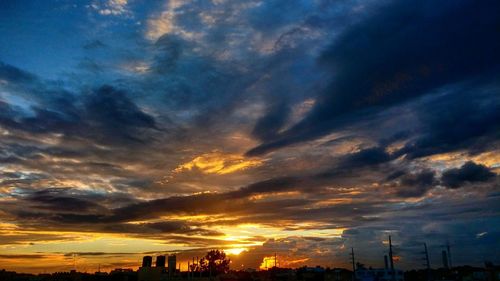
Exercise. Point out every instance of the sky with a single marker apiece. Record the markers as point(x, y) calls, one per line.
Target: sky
point(303, 128)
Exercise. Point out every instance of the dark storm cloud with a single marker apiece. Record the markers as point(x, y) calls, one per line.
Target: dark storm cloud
point(6, 114)
point(368, 162)
point(465, 118)
point(46, 121)
point(365, 157)
point(13, 74)
point(414, 184)
point(41, 95)
point(103, 115)
point(55, 200)
point(267, 126)
point(469, 172)
point(180, 227)
point(223, 203)
point(268, 186)
point(74, 209)
point(163, 229)
point(65, 200)
point(415, 47)
point(111, 112)
point(170, 50)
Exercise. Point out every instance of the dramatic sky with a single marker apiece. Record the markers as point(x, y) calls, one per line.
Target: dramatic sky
point(296, 127)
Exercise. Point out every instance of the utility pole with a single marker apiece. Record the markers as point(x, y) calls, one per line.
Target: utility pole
point(449, 253)
point(391, 259)
point(353, 265)
point(427, 262)
point(274, 259)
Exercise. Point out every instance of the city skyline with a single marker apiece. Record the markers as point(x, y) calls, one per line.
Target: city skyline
point(301, 128)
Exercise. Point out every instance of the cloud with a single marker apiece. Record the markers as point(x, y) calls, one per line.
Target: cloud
point(469, 123)
point(218, 163)
point(274, 185)
point(104, 115)
point(29, 257)
point(415, 184)
point(267, 126)
point(9, 73)
point(110, 112)
point(54, 200)
point(469, 172)
point(366, 157)
point(111, 7)
point(150, 143)
point(407, 59)
point(164, 23)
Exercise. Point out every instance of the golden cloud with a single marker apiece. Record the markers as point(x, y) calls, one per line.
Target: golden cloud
point(219, 163)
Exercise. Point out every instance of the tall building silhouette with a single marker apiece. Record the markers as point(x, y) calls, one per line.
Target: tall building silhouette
point(147, 261)
point(160, 261)
point(172, 262)
point(148, 273)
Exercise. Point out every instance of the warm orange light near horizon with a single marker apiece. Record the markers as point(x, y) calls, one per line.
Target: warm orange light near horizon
point(268, 262)
point(280, 261)
point(235, 251)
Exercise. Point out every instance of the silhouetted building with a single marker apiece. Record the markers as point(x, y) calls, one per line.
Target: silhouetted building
point(148, 273)
point(309, 273)
point(147, 261)
point(120, 274)
point(492, 271)
point(172, 263)
point(160, 261)
point(338, 274)
point(379, 274)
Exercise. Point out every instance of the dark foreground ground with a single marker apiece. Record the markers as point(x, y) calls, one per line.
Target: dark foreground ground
point(463, 273)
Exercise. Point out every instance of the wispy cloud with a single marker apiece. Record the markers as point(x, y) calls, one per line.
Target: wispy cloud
point(297, 127)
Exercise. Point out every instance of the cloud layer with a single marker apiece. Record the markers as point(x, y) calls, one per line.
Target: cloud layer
point(301, 128)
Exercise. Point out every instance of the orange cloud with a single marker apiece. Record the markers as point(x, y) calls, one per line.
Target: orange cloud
point(219, 163)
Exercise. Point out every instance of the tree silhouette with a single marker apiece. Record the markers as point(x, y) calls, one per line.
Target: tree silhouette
point(215, 262)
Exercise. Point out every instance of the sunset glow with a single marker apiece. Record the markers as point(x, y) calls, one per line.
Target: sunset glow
point(287, 131)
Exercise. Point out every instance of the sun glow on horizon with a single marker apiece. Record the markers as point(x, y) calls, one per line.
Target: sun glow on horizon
point(235, 251)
